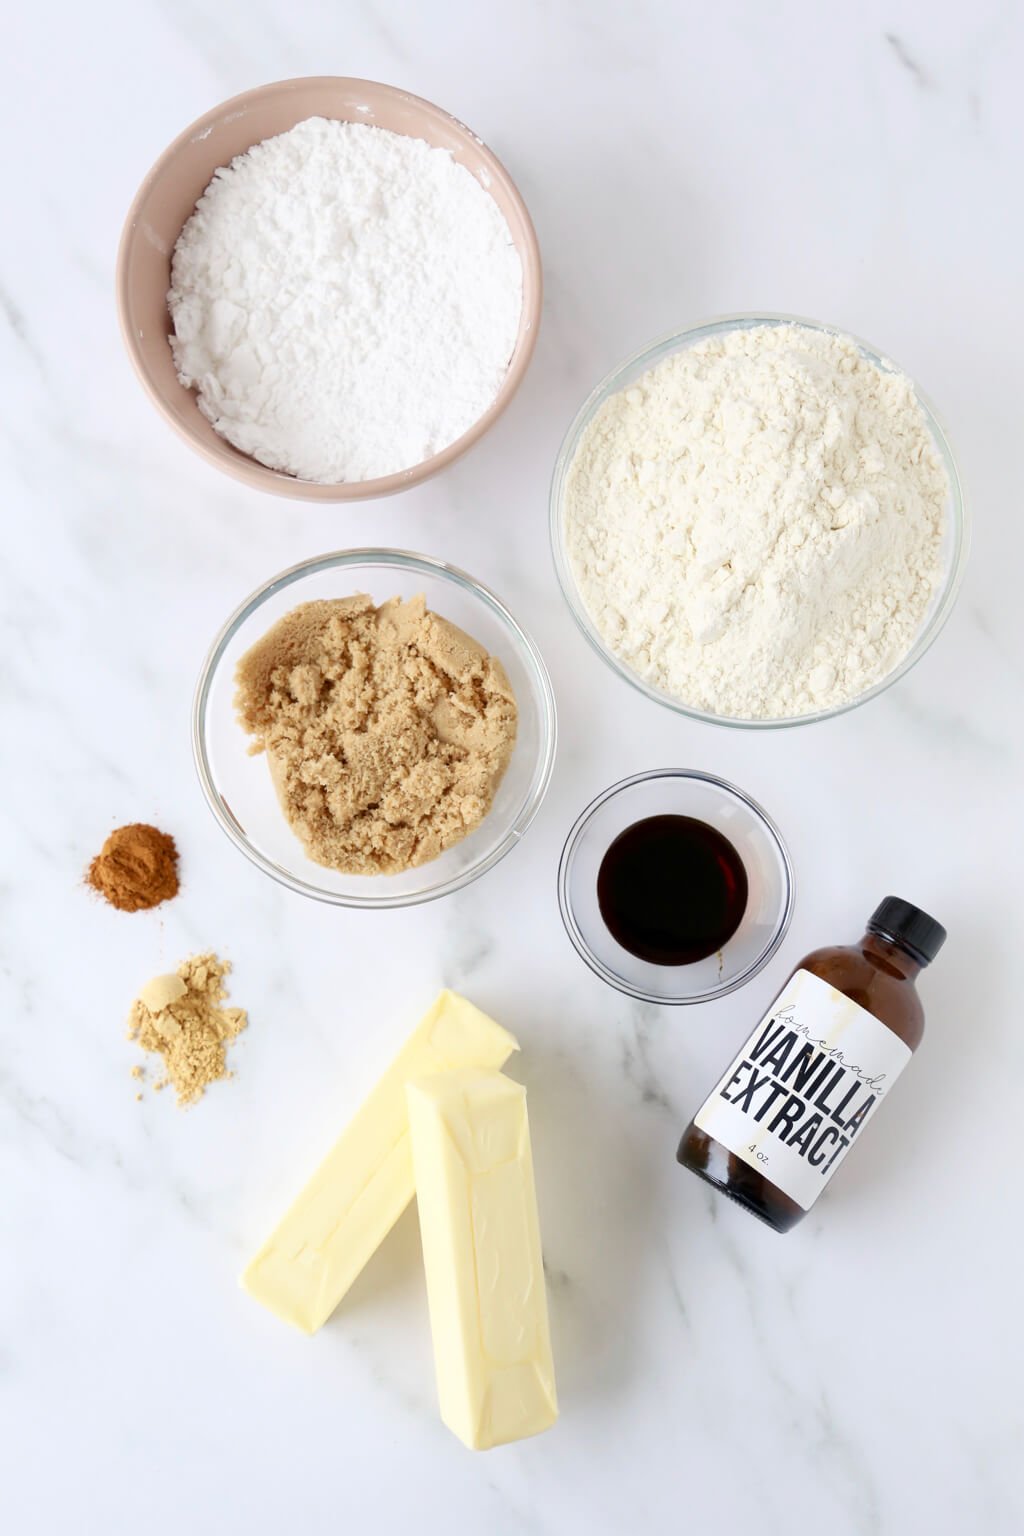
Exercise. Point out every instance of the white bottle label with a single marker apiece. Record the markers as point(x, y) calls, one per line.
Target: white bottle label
point(805, 1084)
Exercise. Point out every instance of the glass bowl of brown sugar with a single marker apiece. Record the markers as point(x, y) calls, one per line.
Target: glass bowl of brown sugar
point(240, 786)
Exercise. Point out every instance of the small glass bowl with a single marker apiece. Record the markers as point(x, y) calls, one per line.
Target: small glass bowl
point(957, 530)
point(678, 792)
point(239, 788)
point(177, 181)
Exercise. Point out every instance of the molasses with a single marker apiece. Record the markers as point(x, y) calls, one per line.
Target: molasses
point(672, 890)
point(818, 1064)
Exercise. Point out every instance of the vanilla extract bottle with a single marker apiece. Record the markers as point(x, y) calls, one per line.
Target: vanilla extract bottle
point(815, 1070)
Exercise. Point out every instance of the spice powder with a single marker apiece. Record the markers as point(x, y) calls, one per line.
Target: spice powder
point(180, 1018)
point(137, 868)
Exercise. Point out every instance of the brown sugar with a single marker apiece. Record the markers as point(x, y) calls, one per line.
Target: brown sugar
point(387, 730)
point(137, 868)
point(180, 1018)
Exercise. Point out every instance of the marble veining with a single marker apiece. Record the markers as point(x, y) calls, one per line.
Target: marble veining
point(919, 76)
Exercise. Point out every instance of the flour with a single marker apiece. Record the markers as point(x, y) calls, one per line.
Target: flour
point(345, 301)
point(757, 525)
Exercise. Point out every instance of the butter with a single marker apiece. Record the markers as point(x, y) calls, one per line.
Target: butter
point(365, 1182)
point(482, 1256)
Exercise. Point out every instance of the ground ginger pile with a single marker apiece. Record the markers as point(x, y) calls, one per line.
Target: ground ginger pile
point(180, 1018)
point(387, 730)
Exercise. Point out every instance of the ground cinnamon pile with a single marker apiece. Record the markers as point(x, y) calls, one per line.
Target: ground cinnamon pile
point(180, 1018)
point(136, 868)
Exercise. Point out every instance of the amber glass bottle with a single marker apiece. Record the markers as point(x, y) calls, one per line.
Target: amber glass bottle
point(782, 1118)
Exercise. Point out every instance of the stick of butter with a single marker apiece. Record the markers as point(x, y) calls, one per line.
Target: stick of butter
point(365, 1182)
point(482, 1256)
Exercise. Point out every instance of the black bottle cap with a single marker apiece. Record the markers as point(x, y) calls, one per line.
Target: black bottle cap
point(909, 927)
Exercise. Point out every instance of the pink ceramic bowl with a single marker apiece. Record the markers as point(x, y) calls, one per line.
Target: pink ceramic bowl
point(169, 194)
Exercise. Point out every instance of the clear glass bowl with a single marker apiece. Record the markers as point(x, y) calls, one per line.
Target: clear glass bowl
point(678, 792)
point(957, 537)
point(239, 788)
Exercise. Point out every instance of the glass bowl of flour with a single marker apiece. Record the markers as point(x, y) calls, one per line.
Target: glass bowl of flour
point(240, 788)
point(758, 522)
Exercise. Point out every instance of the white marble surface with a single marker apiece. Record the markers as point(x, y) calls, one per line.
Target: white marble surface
point(860, 164)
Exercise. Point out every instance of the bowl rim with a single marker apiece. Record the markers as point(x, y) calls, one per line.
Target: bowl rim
point(575, 933)
point(405, 560)
point(677, 341)
point(221, 455)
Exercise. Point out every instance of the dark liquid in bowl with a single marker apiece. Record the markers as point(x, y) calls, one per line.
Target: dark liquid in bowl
point(672, 890)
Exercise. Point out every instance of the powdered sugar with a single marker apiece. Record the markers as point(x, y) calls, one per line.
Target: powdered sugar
point(345, 300)
point(756, 526)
